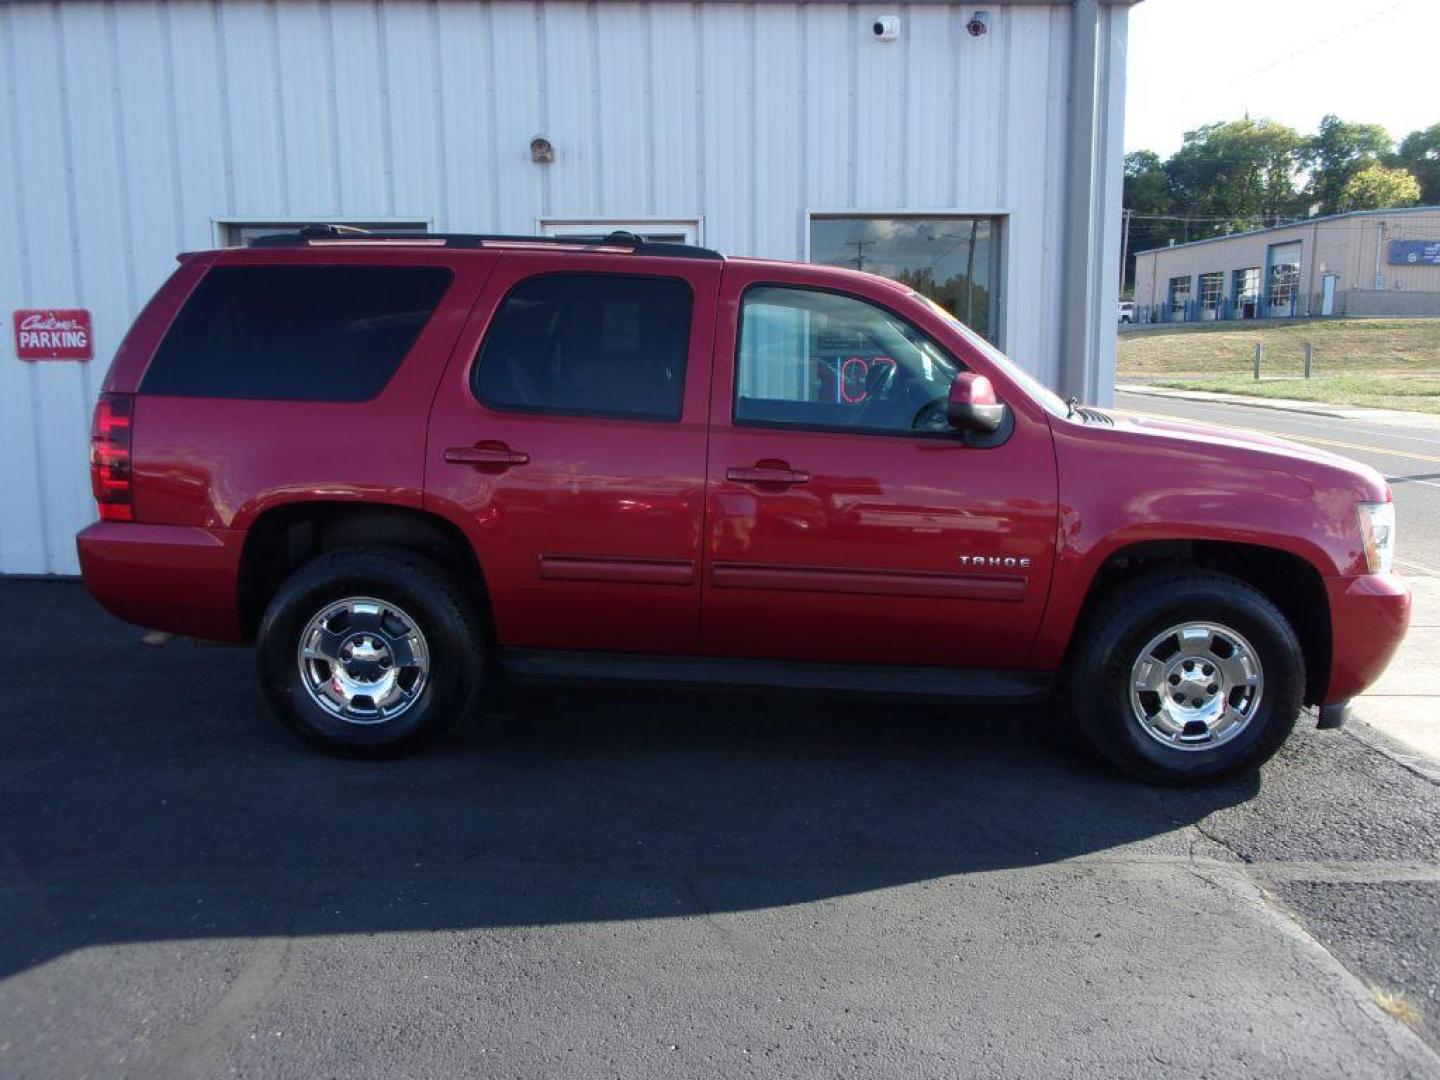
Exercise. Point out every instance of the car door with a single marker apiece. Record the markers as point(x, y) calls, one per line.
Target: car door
point(846, 521)
point(568, 441)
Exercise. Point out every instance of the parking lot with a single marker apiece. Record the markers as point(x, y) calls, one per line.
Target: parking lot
point(678, 885)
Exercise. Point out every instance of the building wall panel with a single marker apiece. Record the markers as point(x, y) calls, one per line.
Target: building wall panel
point(199, 119)
point(305, 120)
point(130, 129)
point(40, 91)
point(463, 102)
point(519, 96)
point(672, 160)
point(22, 536)
point(366, 152)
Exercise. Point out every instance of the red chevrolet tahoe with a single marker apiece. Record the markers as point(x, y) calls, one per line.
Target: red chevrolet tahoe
point(404, 466)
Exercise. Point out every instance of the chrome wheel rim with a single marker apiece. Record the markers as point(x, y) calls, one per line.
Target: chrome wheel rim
point(363, 660)
point(1196, 686)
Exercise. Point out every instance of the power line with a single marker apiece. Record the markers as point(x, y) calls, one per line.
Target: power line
point(1203, 217)
point(1280, 61)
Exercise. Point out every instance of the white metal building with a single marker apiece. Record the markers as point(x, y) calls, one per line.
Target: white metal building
point(871, 134)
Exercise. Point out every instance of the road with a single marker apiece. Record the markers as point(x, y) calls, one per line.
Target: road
point(678, 885)
point(1409, 457)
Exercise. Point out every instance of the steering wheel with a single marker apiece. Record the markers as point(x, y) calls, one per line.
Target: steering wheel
point(879, 381)
point(932, 416)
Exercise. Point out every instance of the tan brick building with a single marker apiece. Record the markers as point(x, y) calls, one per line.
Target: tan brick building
point(1368, 263)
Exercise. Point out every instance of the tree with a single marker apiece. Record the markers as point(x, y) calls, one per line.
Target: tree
point(1335, 155)
point(1420, 154)
point(1147, 188)
point(1147, 196)
point(1379, 187)
point(1240, 172)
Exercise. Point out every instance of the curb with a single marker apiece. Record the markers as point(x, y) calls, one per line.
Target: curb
point(1386, 745)
point(1273, 404)
point(1400, 418)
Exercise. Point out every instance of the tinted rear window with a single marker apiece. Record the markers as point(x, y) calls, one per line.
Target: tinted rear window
point(296, 333)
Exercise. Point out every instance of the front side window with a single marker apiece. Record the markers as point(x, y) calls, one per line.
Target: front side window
point(588, 344)
point(295, 333)
point(1038, 391)
point(822, 360)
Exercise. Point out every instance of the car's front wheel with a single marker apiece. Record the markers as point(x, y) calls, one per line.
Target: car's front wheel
point(1185, 675)
point(371, 652)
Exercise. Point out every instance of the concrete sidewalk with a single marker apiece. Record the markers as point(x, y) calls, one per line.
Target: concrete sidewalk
point(1405, 703)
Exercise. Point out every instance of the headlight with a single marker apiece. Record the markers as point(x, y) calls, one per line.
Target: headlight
point(1377, 529)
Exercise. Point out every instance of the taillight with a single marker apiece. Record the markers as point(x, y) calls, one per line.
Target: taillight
point(110, 457)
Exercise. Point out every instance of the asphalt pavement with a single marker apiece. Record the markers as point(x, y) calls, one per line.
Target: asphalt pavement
point(678, 885)
point(1408, 454)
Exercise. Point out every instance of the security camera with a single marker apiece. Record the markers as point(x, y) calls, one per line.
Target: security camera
point(979, 24)
point(886, 28)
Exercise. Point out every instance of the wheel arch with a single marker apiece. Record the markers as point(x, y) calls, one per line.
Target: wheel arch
point(283, 538)
point(1287, 579)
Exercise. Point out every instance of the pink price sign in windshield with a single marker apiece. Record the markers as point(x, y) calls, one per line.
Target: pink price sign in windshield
point(54, 334)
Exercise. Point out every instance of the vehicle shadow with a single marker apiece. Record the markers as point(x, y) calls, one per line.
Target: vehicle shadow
point(154, 798)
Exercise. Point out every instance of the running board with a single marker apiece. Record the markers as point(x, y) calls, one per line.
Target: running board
point(711, 673)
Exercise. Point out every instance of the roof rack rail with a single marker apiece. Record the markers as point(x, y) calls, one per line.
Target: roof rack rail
point(321, 233)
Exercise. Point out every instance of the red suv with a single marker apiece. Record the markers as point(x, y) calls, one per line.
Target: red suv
point(405, 465)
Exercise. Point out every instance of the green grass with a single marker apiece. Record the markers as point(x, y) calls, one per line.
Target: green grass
point(1382, 363)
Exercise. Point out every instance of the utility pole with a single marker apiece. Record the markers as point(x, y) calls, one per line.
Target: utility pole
point(970, 275)
point(860, 246)
point(1125, 248)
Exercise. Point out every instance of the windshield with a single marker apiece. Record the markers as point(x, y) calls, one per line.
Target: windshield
point(1031, 385)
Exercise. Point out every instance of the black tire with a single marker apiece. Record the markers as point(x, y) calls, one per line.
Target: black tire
point(1112, 639)
point(454, 640)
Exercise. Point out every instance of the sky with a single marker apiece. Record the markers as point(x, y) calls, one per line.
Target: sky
point(1195, 61)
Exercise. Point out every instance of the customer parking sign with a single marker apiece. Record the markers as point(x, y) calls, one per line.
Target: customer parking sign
point(53, 334)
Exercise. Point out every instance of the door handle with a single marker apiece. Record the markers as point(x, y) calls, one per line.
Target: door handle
point(768, 472)
point(486, 455)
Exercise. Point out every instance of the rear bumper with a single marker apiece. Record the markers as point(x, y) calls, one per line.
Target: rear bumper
point(1368, 617)
point(178, 578)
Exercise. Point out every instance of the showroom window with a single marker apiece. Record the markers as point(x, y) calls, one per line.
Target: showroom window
point(588, 344)
point(954, 260)
point(822, 360)
point(240, 233)
point(654, 230)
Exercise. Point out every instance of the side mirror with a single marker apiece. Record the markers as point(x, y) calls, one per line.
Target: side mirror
point(972, 405)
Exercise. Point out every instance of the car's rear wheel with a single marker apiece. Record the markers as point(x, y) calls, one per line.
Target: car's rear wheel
point(1186, 675)
point(371, 652)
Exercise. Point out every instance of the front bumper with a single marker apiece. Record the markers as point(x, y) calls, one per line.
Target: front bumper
point(1368, 618)
point(178, 578)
